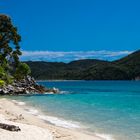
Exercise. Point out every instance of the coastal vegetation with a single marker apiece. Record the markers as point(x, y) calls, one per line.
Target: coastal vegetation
point(14, 75)
point(126, 68)
point(10, 66)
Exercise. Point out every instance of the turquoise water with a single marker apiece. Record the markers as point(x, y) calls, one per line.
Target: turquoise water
point(111, 108)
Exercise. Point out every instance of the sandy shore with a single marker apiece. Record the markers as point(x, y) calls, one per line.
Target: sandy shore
point(33, 128)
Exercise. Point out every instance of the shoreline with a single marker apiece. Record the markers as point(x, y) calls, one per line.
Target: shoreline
point(57, 80)
point(10, 112)
point(85, 80)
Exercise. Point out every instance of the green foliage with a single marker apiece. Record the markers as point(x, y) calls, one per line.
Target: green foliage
point(10, 52)
point(9, 40)
point(2, 83)
point(131, 63)
point(4, 76)
point(8, 79)
point(2, 72)
point(22, 70)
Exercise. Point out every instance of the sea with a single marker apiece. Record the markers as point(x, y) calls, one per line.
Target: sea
point(109, 109)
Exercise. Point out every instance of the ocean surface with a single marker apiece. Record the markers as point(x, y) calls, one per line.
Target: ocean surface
point(110, 109)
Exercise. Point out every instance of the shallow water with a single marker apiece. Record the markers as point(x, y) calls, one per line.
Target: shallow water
point(110, 109)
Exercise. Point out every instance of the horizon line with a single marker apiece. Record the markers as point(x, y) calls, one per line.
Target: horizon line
point(68, 56)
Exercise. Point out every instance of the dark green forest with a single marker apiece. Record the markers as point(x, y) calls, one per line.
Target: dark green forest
point(126, 68)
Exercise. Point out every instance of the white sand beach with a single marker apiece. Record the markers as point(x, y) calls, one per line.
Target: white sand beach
point(33, 128)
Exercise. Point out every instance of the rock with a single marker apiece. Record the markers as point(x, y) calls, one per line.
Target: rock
point(55, 90)
point(25, 86)
point(137, 78)
point(9, 127)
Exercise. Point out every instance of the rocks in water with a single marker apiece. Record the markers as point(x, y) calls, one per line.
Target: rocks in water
point(54, 90)
point(25, 86)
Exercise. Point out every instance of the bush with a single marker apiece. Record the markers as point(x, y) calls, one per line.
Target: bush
point(5, 76)
point(8, 79)
point(2, 83)
point(22, 70)
point(2, 72)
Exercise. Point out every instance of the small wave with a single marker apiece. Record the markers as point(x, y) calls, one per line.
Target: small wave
point(61, 92)
point(64, 92)
point(32, 111)
point(104, 136)
point(59, 122)
point(48, 93)
point(53, 120)
point(19, 103)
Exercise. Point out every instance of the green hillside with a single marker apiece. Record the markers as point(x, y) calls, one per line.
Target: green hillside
point(131, 63)
point(126, 68)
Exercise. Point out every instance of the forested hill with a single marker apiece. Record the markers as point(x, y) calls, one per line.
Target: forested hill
point(127, 68)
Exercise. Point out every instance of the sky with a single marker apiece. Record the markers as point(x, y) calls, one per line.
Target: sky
point(65, 30)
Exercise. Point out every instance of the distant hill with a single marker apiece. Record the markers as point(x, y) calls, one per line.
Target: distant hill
point(126, 68)
point(131, 63)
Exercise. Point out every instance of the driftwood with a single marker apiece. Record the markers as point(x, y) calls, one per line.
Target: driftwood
point(9, 127)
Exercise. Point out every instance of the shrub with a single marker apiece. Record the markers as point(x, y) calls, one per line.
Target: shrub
point(22, 70)
point(2, 72)
point(8, 79)
point(2, 83)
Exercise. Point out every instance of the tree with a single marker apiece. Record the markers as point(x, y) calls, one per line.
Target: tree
point(9, 42)
point(10, 66)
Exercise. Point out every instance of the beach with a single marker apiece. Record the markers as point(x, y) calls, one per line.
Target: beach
point(33, 128)
point(83, 110)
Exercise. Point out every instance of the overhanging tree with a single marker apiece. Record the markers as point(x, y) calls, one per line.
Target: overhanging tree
point(9, 42)
point(10, 51)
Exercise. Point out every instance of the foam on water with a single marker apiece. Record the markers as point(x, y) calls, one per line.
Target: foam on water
point(65, 92)
point(32, 111)
point(59, 122)
point(53, 120)
point(48, 93)
point(104, 136)
point(61, 92)
point(19, 103)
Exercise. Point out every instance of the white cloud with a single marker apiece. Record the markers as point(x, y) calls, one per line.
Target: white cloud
point(72, 55)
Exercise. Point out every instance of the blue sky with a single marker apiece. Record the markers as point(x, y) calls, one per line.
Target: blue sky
point(66, 30)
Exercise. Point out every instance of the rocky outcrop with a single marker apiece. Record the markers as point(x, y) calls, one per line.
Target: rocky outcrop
point(25, 86)
point(137, 78)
